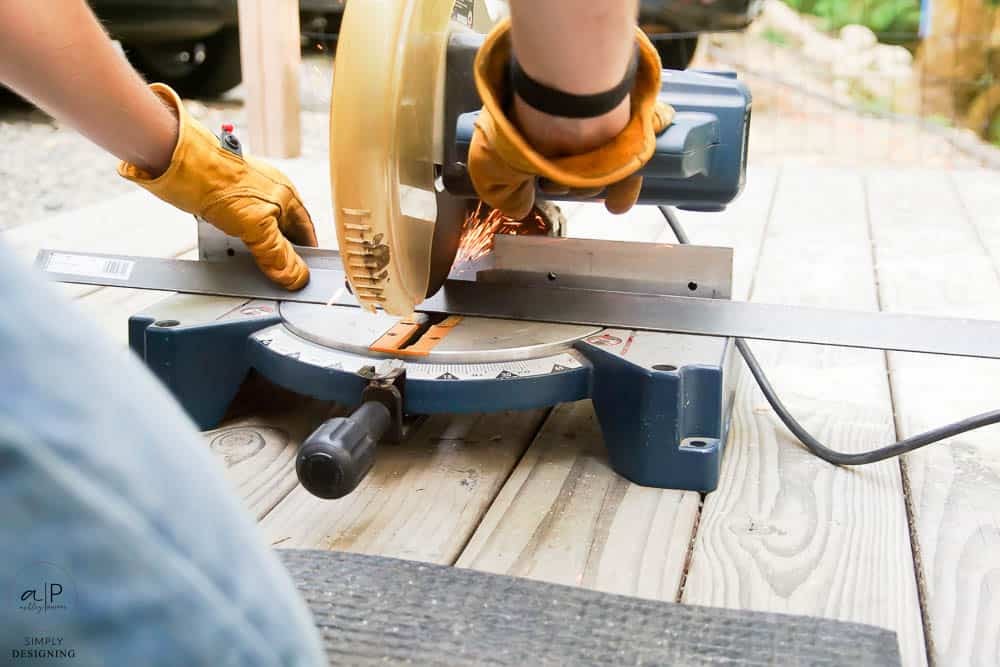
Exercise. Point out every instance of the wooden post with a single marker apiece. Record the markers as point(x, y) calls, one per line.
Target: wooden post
point(954, 58)
point(271, 53)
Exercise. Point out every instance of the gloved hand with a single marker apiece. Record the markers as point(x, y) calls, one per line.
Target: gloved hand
point(243, 197)
point(504, 167)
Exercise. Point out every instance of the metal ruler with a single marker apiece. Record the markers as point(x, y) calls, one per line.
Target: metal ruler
point(239, 277)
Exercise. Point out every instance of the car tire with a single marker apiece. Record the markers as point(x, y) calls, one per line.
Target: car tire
point(200, 68)
point(675, 53)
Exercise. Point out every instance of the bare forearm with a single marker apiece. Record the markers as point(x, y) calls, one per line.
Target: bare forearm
point(576, 46)
point(57, 55)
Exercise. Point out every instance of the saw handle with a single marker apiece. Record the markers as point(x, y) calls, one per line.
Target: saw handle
point(337, 456)
point(334, 459)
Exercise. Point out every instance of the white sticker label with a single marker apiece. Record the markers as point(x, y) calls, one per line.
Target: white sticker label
point(462, 12)
point(90, 266)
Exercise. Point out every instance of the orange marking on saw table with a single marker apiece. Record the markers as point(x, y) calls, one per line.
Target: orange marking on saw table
point(430, 339)
point(392, 341)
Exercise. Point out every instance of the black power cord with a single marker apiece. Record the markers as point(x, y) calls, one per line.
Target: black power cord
point(806, 438)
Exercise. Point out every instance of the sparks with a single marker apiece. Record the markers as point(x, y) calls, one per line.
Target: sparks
point(484, 223)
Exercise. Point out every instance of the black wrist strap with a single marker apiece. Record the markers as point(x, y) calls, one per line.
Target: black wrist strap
point(567, 105)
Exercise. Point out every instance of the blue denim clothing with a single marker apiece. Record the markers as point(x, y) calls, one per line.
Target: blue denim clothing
point(120, 541)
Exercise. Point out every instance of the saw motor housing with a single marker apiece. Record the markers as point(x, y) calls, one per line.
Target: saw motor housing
point(403, 109)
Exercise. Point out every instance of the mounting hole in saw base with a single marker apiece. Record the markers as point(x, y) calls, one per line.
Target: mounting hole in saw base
point(693, 286)
point(699, 444)
point(166, 323)
point(664, 367)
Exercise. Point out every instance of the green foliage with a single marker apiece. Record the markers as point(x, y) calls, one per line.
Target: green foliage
point(939, 120)
point(893, 20)
point(993, 131)
point(774, 36)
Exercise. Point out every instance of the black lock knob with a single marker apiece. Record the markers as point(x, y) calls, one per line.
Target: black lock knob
point(334, 459)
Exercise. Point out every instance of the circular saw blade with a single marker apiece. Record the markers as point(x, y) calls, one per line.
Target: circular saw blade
point(394, 227)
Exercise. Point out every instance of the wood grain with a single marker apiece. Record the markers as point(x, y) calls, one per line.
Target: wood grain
point(270, 51)
point(137, 224)
point(787, 532)
point(259, 450)
point(564, 516)
point(423, 498)
point(937, 238)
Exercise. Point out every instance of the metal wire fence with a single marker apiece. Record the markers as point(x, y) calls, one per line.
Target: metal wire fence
point(827, 91)
point(853, 96)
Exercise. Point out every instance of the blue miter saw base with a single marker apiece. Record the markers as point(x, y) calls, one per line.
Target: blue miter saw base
point(663, 400)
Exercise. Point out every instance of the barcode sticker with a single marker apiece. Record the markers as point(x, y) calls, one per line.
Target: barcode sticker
point(90, 266)
point(462, 12)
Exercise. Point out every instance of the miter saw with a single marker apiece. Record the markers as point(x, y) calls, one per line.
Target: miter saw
point(645, 330)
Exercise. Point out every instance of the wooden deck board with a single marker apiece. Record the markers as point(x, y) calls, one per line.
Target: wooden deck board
point(259, 449)
point(937, 238)
point(564, 516)
point(140, 224)
point(785, 531)
point(423, 498)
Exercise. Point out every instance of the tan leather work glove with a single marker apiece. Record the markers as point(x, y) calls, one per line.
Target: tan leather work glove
point(241, 196)
point(504, 167)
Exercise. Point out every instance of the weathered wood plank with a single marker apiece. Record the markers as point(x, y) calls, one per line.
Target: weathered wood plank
point(259, 449)
point(785, 531)
point(423, 498)
point(140, 224)
point(934, 234)
point(137, 223)
point(134, 224)
point(564, 516)
point(111, 307)
point(270, 51)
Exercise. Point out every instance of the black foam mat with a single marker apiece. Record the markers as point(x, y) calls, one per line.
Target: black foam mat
point(371, 609)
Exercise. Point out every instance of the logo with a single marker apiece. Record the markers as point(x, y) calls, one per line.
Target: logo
point(46, 592)
point(44, 588)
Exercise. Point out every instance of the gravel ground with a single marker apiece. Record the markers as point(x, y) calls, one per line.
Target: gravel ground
point(46, 167)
